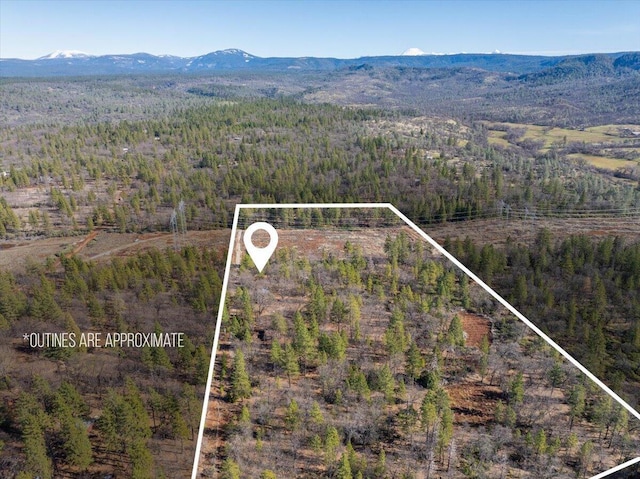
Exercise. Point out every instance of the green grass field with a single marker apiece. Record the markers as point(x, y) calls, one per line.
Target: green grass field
point(603, 162)
point(560, 136)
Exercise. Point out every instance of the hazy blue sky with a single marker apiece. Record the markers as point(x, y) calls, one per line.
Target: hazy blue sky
point(29, 29)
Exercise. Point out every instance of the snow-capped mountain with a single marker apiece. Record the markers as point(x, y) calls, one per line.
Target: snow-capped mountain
point(416, 52)
point(412, 52)
point(221, 59)
point(65, 54)
point(73, 62)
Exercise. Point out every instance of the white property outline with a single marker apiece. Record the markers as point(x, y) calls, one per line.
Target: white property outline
point(440, 249)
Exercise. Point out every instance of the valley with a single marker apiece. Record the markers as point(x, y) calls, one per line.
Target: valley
point(117, 195)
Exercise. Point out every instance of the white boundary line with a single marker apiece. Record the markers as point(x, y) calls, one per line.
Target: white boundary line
point(223, 295)
point(617, 468)
point(439, 248)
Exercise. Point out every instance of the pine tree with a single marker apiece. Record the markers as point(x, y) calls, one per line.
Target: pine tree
point(135, 422)
point(290, 362)
point(415, 362)
point(108, 421)
point(35, 450)
point(157, 356)
point(43, 304)
point(331, 443)
point(302, 340)
point(516, 389)
point(230, 469)
point(338, 313)
point(240, 384)
point(446, 429)
point(386, 383)
point(316, 414)
point(586, 452)
point(395, 336)
point(13, 302)
point(292, 416)
point(455, 334)
point(555, 376)
point(33, 420)
point(354, 317)
point(76, 444)
point(344, 468)
point(540, 442)
point(201, 365)
point(380, 468)
point(316, 444)
point(428, 417)
point(141, 460)
point(577, 403)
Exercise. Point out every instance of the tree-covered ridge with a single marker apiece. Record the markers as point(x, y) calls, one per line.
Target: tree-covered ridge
point(79, 410)
point(585, 292)
point(361, 368)
point(129, 175)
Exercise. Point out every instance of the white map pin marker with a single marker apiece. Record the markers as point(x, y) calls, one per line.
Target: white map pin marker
point(260, 256)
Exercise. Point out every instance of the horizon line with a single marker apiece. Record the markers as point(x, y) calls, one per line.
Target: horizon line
point(545, 53)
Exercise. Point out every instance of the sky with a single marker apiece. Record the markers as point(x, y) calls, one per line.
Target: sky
point(342, 29)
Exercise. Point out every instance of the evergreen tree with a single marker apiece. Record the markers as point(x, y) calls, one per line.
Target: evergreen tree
point(331, 443)
point(577, 403)
point(37, 463)
point(395, 336)
point(302, 340)
point(141, 460)
point(428, 417)
point(76, 444)
point(292, 416)
point(344, 468)
point(415, 362)
point(240, 384)
point(516, 389)
point(445, 432)
point(386, 383)
point(230, 469)
point(289, 362)
point(455, 334)
point(316, 414)
point(354, 317)
point(540, 442)
point(380, 469)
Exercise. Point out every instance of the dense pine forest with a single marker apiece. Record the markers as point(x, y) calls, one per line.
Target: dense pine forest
point(85, 162)
point(367, 362)
point(75, 410)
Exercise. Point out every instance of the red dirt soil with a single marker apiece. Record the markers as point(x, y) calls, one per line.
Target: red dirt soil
point(476, 327)
point(473, 403)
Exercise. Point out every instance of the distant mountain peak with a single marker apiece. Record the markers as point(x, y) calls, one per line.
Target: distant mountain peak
point(416, 52)
point(65, 54)
point(74, 62)
point(412, 52)
point(233, 51)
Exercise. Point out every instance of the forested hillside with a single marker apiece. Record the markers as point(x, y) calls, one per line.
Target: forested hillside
point(162, 159)
point(381, 360)
point(74, 411)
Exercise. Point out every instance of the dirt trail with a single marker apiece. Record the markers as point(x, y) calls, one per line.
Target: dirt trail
point(83, 243)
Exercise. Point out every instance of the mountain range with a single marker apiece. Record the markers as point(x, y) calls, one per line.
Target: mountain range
point(540, 68)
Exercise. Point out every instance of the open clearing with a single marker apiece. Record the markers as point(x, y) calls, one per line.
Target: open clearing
point(16, 254)
point(603, 161)
point(101, 246)
point(559, 136)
